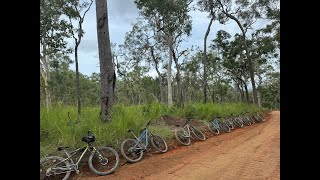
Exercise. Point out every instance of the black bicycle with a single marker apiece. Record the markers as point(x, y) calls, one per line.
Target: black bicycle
point(101, 161)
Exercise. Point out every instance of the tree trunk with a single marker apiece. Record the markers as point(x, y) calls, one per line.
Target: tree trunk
point(107, 73)
point(45, 74)
point(240, 92)
point(246, 89)
point(213, 98)
point(178, 78)
point(254, 90)
point(160, 84)
point(47, 94)
point(255, 101)
point(159, 74)
point(259, 100)
point(77, 79)
point(204, 81)
point(170, 103)
point(221, 95)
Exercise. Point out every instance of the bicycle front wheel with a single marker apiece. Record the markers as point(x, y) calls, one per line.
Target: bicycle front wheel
point(159, 143)
point(225, 127)
point(198, 134)
point(53, 167)
point(259, 118)
point(103, 161)
point(213, 128)
point(131, 150)
point(238, 123)
point(182, 138)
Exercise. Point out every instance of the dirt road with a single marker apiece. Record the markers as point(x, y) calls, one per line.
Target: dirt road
point(252, 152)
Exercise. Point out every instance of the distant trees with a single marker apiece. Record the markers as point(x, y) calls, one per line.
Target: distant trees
point(229, 68)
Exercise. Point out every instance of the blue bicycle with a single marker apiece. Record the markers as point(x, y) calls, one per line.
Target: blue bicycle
point(216, 125)
point(132, 149)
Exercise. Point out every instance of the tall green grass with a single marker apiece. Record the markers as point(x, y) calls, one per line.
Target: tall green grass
point(56, 131)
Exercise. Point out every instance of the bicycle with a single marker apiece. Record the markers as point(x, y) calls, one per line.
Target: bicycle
point(183, 133)
point(238, 121)
point(61, 168)
point(229, 121)
point(245, 119)
point(250, 118)
point(258, 118)
point(216, 124)
point(132, 149)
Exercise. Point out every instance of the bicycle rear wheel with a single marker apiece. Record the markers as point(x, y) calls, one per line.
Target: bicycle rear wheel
point(247, 121)
point(182, 138)
point(53, 167)
point(259, 118)
point(225, 127)
point(131, 150)
point(103, 161)
point(159, 143)
point(238, 122)
point(213, 128)
point(197, 133)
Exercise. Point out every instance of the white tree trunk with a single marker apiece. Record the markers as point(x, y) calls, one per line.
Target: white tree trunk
point(44, 70)
point(259, 99)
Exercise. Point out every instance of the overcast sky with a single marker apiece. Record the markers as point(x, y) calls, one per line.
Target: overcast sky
point(121, 15)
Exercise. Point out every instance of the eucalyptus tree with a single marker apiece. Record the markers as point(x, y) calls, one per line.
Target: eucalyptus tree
point(172, 21)
point(144, 47)
point(53, 32)
point(76, 11)
point(107, 72)
point(245, 14)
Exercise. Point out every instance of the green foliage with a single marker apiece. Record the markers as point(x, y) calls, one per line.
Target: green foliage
point(56, 130)
point(63, 88)
point(174, 14)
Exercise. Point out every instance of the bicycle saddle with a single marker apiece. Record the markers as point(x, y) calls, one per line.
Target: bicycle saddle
point(88, 139)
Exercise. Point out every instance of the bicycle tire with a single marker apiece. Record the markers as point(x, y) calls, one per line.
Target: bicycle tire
point(197, 133)
point(123, 151)
point(156, 144)
point(213, 129)
point(52, 158)
point(225, 127)
point(178, 134)
point(113, 156)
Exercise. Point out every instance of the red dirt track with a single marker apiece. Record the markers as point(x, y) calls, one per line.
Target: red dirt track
point(252, 153)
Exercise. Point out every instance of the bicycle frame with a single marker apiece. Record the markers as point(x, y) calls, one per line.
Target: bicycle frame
point(74, 166)
point(216, 123)
point(186, 132)
point(142, 136)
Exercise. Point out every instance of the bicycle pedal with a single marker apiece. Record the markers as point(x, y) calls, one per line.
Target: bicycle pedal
point(77, 171)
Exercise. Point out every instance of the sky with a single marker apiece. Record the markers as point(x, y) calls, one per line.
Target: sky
point(121, 15)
